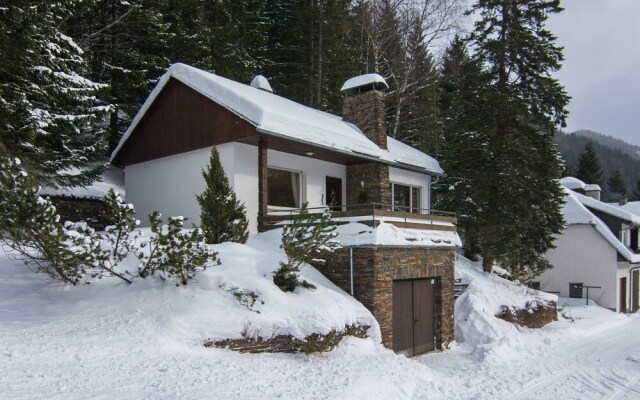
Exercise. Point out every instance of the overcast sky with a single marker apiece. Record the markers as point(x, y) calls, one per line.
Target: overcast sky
point(601, 71)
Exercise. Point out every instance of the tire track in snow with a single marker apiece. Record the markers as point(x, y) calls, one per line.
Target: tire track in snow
point(597, 368)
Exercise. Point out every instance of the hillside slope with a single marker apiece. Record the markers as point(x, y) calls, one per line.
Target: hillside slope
point(625, 159)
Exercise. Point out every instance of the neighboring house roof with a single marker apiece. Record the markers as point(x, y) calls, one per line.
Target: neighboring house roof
point(632, 207)
point(274, 115)
point(614, 211)
point(576, 184)
point(576, 213)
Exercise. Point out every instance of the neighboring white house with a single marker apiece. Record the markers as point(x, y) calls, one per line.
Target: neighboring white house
point(598, 247)
point(309, 155)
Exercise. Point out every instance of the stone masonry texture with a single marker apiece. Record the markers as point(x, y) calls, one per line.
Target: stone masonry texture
point(375, 269)
point(377, 188)
point(366, 111)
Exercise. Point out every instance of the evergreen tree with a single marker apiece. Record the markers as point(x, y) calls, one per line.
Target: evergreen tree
point(589, 170)
point(636, 192)
point(222, 216)
point(303, 241)
point(517, 193)
point(50, 115)
point(126, 47)
point(615, 186)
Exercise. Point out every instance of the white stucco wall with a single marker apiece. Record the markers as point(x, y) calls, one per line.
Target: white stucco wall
point(170, 184)
point(413, 179)
point(582, 255)
point(314, 174)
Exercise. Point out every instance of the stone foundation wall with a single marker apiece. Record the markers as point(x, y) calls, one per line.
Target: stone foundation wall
point(375, 269)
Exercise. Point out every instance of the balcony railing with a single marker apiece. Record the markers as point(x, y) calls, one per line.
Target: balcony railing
point(372, 214)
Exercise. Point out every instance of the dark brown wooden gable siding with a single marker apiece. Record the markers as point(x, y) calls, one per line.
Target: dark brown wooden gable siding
point(181, 120)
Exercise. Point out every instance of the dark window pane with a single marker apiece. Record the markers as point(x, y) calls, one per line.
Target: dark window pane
point(415, 200)
point(401, 197)
point(575, 290)
point(284, 188)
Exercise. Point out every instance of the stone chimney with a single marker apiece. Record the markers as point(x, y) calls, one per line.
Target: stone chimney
point(364, 106)
point(623, 200)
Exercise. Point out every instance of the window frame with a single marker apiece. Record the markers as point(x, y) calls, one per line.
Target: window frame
point(412, 206)
point(301, 199)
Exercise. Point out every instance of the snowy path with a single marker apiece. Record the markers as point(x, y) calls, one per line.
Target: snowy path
point(604, 363)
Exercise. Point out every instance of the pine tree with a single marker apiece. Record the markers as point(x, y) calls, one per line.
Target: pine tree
point(616, 187)
point(303, 241)
point(126, 48)
point(517, 192)
point(222, 216)
point(636, 192)
point(589, 170)
point(50, 114)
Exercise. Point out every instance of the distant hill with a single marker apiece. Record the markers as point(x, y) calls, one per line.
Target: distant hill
point(610, 141)
point(613, 153)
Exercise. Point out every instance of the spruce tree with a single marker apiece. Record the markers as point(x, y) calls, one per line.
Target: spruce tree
point(636, 192)
point(50, 114)
point(616, 187)
point(303, 240)
point(517, 192)
point(222, 216)
point(589, 170)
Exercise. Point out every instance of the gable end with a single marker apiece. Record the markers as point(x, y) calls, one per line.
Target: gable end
point(181, 120)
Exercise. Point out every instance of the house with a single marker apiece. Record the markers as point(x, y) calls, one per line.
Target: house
point(278, 154)
point(597, 249)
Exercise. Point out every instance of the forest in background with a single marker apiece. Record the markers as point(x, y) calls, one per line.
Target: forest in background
point(74, 73)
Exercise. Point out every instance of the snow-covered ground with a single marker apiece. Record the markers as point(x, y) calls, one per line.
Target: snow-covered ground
point(102, 341)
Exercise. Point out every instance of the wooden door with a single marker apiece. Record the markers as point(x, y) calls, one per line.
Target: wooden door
point(635, 290)
point(413, 316)
point(623, 294)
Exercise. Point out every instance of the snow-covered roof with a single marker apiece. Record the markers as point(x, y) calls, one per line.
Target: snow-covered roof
point(632, 207)
point(276, 116)
point(363, 80)
point(576, 213)
point(260, 82)
point(572, 183)
point(608, 209)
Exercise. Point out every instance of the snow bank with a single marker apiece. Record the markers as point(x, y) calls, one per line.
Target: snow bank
point(207, 308)
point(357, 234)
point(477, 327)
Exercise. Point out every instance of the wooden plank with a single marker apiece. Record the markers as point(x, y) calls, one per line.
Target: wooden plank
point(423, 316)
point(402, 298)
point(180, 120)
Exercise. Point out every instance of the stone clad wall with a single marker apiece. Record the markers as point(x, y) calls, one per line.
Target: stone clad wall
point(366, 111)
point(376, 183)
point(375, 269)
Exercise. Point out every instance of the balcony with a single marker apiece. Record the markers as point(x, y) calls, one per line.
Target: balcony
point(371, 214)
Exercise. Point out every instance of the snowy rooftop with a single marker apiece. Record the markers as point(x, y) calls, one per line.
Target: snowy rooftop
point(275, 115)
point(632, 207)
point(576, 213)
point(357, 234)
point(363, 80)
point(574, 183)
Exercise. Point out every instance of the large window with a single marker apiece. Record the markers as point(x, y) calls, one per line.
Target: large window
point(406, 198)
point(284, 188)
